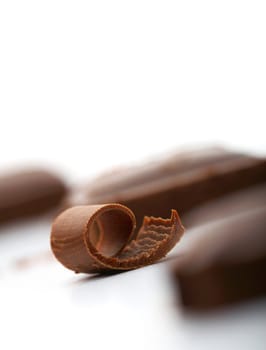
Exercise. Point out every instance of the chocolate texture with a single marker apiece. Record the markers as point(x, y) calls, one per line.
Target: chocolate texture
point(28, 193)
point(102, 238)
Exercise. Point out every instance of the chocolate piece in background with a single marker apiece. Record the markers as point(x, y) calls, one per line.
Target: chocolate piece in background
point(225, 264)
point(102, 238)
point(129, 177)
point(226, 206)
point(28, 193)
point(181, 181)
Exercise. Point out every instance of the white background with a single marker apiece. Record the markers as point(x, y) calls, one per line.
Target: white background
point(85, 85)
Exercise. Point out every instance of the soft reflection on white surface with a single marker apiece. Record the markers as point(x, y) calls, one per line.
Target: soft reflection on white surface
point(45, 306)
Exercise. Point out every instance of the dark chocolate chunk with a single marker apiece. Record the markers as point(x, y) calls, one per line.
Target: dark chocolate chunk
point(102, 238)
point(226, 264)
point(29, 193)
point(226, 206)
point(131, 177)
point(182, 182)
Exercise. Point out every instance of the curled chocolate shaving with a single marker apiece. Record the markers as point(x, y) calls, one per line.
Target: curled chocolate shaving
point(102, 238)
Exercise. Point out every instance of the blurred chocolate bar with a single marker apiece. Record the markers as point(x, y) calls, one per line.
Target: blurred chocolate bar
point(232, 204)
point(28, 193)
point(180, 181)
point(225, 264)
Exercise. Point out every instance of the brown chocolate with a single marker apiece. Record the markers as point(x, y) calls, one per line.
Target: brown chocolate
point(227, 264)
point(182, 181)
point(102, 238)
point(124, 178)
point(226, 206)
point(29, 193)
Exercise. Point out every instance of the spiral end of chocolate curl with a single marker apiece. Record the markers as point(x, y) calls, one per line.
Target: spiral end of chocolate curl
point(101, 238)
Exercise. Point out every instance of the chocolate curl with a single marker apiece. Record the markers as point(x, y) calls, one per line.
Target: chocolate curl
point(102, 238)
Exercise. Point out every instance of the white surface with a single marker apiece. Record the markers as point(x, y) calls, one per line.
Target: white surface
point(45, 306)
point(85, 85)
